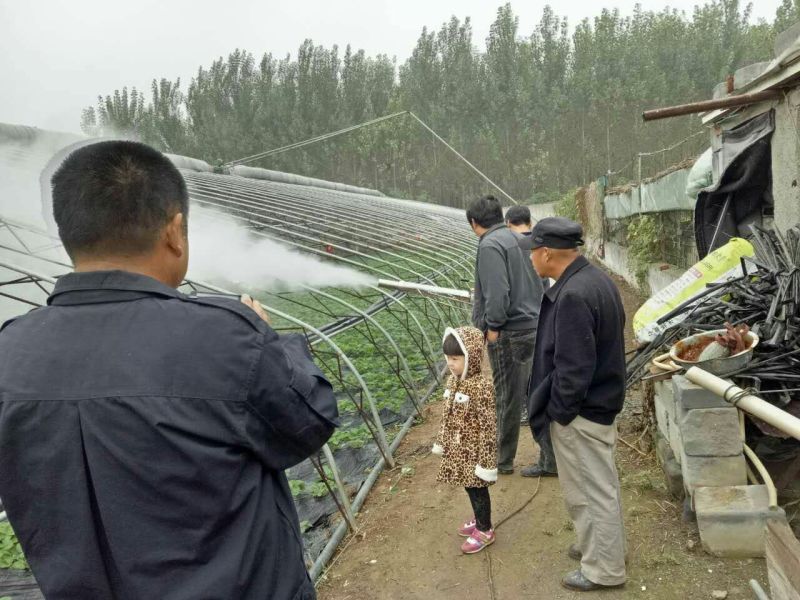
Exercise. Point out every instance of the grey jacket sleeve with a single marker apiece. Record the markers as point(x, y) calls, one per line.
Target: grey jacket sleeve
point(495, 286)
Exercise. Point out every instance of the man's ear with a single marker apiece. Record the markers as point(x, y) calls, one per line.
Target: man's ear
point(175, 235)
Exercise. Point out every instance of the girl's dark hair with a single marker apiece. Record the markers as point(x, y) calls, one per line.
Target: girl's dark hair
point(451, 347)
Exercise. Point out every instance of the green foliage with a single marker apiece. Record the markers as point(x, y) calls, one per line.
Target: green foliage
point(567, 206)
point(540, 111)
point(11, 556)
point(644, 243)
point(297, 486)
point(357, 437)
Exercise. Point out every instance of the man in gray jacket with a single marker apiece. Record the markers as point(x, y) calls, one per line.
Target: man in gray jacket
point(506, 308)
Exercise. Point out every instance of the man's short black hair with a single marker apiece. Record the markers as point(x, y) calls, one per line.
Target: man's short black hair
point(451, 347)
point(518, 215)
point(486, 212)
point(115, 197)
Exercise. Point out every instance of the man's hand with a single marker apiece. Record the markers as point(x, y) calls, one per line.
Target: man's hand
point(491, 336)
point(257, 308)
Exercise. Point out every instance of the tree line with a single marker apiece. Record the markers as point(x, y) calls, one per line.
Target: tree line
point(538, 111)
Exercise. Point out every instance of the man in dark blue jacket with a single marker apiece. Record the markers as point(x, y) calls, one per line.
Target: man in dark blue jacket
point(144, 433)
point(578, 388)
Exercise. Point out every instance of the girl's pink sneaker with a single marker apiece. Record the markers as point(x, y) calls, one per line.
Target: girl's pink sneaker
point(467, 528)
point(477, 541)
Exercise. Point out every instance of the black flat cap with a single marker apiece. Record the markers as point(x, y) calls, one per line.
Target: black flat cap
point(553, 232)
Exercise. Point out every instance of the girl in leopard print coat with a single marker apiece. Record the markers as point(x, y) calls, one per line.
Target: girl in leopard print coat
point(467, 439)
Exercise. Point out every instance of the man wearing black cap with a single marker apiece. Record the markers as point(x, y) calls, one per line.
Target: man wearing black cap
point(577, 390)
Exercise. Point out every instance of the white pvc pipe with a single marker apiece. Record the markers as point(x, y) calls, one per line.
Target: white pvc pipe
point(407, 286)
point(780, 419)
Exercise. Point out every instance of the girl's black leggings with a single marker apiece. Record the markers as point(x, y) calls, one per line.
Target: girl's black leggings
point(481, 506)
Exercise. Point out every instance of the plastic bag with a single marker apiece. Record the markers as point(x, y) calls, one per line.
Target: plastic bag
point(721, 265)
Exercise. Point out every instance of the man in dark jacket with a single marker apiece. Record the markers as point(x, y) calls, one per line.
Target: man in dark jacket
point(578, 388)
point(506, 309)
point(144, 433)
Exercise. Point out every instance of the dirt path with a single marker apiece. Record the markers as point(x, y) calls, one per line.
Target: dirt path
point(407, 547)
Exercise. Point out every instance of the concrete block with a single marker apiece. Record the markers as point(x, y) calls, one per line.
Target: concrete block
point(711, 432)
point(673, 476)
point(664, 406)
point(689, 396)
point(675, 442)
point(732, 520)
point(716, 471)
point(662, 447)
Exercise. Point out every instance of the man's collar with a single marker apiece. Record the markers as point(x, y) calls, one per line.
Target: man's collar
point(492, 229)
point(576, 265)
point(105, 286)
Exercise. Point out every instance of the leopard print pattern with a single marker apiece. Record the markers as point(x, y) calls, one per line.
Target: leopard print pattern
point(467, 439)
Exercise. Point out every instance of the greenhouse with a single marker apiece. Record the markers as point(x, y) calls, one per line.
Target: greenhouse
point(380, 348)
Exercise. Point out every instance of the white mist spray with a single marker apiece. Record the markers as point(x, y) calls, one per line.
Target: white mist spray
point(221, 250)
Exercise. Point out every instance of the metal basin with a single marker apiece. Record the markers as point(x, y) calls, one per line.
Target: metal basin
point(715, 366)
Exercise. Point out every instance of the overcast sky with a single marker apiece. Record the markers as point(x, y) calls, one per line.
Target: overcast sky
point(57, 56)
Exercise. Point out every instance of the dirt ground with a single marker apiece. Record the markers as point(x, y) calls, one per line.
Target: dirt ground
point(407, 547)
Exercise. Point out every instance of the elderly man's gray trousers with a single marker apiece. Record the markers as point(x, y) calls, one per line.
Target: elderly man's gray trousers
point(590, 483)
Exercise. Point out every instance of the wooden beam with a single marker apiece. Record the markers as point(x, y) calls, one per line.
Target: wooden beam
point(708, 105)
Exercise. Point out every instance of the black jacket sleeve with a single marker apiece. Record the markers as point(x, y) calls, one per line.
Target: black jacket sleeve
point(575, 357)
point(293, 400)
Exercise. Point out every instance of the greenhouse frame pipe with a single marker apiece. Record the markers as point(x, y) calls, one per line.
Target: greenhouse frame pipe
point(369, 205)
point(372, 219)
point(348, 507)
point(26, 272)
point(367, 318)
point(780, 419)
point(288, 201)
point(312, 250)
point(291, 228)
point(381, 439)
point(375, 209)
point(431, 352)
point(30, 253)
point(266, 202)
point(11, 226)
point(363, 492)
point(249, 207)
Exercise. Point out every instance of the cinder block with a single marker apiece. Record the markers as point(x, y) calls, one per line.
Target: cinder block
point(673, 476)
point(689, 396)
point(662, 447)
point(712, 471)
point(676, 443)
point(711, 432)
point(664, 405)
point(732, 520)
